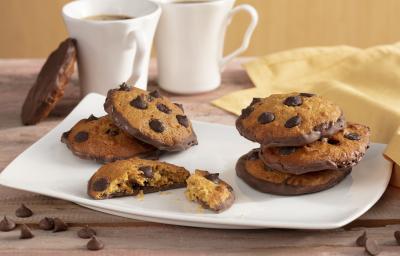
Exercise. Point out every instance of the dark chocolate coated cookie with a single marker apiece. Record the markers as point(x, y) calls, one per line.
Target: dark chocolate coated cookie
point(50, 83)
point(99, 139)
point(293, 119)
point(253, 171)
point(341, 151)
point(151, 118)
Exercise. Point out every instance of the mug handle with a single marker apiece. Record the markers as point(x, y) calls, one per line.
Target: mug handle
point(139, 61)
point(247, 36)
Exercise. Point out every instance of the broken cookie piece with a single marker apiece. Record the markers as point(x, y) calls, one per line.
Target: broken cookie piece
point(129, 177)
point(209, 191)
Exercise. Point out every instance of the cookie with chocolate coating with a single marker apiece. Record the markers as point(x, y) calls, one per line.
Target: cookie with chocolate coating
point(292, 119)
point(100, 140)
point(150, 117)
point(341, 151)
point(129, 177)
point(209, 191)
point(50, 83)
point(253, 171)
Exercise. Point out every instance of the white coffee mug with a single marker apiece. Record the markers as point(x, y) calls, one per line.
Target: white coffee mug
point(115, 51)
point(190, 41)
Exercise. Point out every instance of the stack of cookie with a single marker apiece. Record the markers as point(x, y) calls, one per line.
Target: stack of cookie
point(138, 124)
point(306, 145)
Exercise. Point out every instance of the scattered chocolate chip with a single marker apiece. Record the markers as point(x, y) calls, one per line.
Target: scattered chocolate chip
point(26, 232)
point(179, 106)
point(293, 101)
point(124, 87)
point(147, 171)
point(286, 150)
point(7, 225)
point(372, 247)
point(86, 232)
point(255, 101)
point(92, 118)
point(214, 177)
point(23, 212)
point(100, 185)
point(59, 225)
point(163, 108)
point(46, 223)
point(155, 94)
point(293, 121)
point(266, 117)
point(94, 244)
point(333, 142)
point(138, 103)
point(397, 236)
point(183, 120)
point(247, 111)
point(361, 239)
point(156, 125)
point(352, 136)
point(306, 94)
point(81, 137)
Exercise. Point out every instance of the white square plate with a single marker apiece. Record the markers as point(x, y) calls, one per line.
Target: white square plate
point(48, 168)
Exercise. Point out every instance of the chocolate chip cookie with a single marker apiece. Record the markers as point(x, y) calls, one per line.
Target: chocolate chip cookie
point(341, 151)
point(129, 177)
point(293, 119)
point(209, 191)
point(99, 139)
point(151, 118)
point(50, 83)
point(252, 170)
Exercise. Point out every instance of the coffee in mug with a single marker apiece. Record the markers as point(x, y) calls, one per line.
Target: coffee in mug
point(106, 17)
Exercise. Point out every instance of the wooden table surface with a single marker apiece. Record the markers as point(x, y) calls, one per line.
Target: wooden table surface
point(130, 237)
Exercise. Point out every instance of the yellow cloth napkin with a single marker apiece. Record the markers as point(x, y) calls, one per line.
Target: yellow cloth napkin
point(364, 82)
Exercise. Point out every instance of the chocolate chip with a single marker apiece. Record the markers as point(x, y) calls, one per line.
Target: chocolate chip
point(124, 87)
point(397, 236)
point(247, 111)
point(59, 225)
point(293, 121)
point(214, 177)
point(81, 137)
point(23, 212)
point(112, 132)
point(7, 225)
point(94, 244)
point(361, 239)
point(266, 117)
point(86, 232)
point(100, 185)
point(254, 155)
point(138, 103)
point(183, 120)
point(155, 94)
point(293, 101)
point(156, 125)
point(333, 141)
point(163, 108)
point(46, 223)
point(286, 150)
point(372, 247)
point(179, 106)
point(306, 94)
point(147, 171)
point(352, 136)
point(92, 118)
point(26, 232)
point(255, 101)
